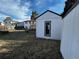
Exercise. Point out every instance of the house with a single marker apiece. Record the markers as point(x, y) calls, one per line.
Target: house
point(27, 24)
point(30, 24)
point(2, 27)
point(33, 24)
point(9, 23)
point(33, 20)
point(19, 26)
point(70, 34)
point(49, 25)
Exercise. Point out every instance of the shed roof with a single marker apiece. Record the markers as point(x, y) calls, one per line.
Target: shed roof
point(46, 12)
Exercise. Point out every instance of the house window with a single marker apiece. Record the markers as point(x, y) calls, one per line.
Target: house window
point(47, 28)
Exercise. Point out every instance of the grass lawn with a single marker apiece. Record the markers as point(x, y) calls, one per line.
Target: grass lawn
point(24, 45)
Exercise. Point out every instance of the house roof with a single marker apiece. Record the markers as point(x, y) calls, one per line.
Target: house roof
point(77, 2)
point(45, 12)
point(7, 19)
point(29, 20)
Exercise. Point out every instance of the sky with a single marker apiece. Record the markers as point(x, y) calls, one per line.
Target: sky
point(20, 10)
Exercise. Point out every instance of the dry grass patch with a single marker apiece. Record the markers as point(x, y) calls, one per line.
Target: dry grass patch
point(23, 45)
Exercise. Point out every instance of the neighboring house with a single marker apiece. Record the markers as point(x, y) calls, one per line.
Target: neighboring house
point(30, 24)
point(9, 23)
point(27, 24)
point(70, 34)
point(33, 24)
point(19, 25)
point(33, 20)
point(49, 25)
point(2, 27)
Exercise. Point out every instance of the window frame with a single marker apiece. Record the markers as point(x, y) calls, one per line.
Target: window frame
point(48, 35)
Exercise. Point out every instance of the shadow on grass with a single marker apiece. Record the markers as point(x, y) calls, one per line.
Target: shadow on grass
point(16, 35)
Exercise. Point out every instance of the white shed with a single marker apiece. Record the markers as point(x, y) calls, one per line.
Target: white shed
point(49, 25)
point(70, 35)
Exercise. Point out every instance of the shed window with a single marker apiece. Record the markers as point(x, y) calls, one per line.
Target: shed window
point(47, 28)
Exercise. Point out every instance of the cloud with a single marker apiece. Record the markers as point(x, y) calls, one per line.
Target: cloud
point(21, 9)
point(2, 17)
point(14, 9)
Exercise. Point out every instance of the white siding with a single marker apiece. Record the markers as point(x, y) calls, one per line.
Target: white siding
point(26, 25)
point(56, 25)
point(70, 35)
